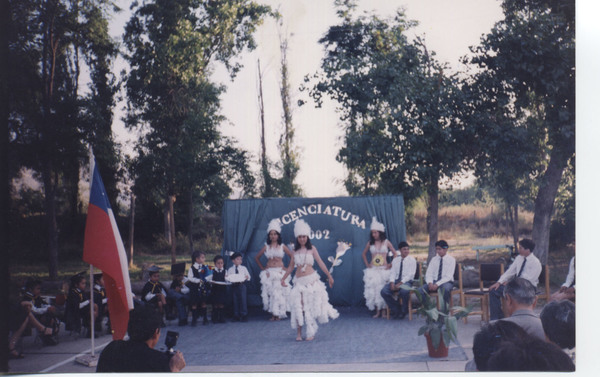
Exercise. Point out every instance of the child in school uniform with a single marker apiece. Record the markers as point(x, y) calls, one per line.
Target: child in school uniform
point(154, 291)
point(199, 289)
point(78, 309)
point(238, 275)
point(179, 293)
point(101, 301)
point(218, 291)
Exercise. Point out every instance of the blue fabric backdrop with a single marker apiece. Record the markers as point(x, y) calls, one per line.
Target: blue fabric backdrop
point(331, 220)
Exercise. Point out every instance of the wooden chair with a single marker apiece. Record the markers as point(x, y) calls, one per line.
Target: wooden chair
point(489, 273)
point(456, 290)
point(544, 283)
point(418, 274)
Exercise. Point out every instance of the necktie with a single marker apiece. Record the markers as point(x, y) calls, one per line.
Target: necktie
point(400, 273)
point(440, 269)
point(522, 267)
point(236, 270)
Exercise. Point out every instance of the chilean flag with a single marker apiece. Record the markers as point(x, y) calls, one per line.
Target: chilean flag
point(103, 248)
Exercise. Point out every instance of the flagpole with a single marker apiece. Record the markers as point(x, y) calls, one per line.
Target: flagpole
point(92, 322)
point(90, 360)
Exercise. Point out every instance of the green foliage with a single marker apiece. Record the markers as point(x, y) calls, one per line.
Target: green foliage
point(523, 104)
point(439, 323)
point(562, 229)
point(51, 44)
point(171, 45)
point(401, 111)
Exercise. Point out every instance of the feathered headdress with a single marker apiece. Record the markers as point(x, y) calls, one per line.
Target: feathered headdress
point(301, 228)
point(376, 225)
point(275, 225)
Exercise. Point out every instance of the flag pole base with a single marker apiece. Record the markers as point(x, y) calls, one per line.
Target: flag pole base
point(87, 360)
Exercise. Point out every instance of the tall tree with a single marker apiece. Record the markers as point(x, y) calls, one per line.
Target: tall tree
point(289, 158)
point(402, 112)
point(529, 57)
point(170, 47)
point(47, 39)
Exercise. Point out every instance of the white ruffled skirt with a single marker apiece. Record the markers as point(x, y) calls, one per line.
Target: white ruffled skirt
point(275, 297)
point(375, 278)
point(310, 304)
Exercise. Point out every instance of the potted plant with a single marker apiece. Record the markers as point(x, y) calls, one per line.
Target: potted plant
point(441, 324)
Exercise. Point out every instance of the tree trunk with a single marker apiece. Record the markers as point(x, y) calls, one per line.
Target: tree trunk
point(432, 216)
point(267, 192)
point(515, 226)
point(131, 228)
point(167, 221)
point(51, 223)
point(544, 204)
point(191, 220)
point(171, 200)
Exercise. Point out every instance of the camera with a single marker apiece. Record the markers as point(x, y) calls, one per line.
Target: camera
point(171, 342)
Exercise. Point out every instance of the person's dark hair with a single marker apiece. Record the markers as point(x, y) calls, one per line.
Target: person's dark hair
point(403, 244)
point(489, 337)
point(237, 254)
point(143, 322)
point(279, 240)
point(218, 257)
point(76, 279)
point(558, 320)
point(196, 254)
point(382, 237)
point(527, 244)
point(521, 290)
point(308, 244)
point(441, 243)
point(32, 283)
point(529, 355)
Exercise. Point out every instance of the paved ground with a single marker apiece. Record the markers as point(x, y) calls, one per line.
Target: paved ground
point(354, 342)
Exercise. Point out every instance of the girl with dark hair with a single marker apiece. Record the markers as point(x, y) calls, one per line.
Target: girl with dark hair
point(274, 295)
point(377, 272)
point(308, 299)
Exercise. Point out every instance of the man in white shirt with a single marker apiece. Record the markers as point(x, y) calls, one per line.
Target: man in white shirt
point(567, 290)
point(402, 272)
point(526, 266)
point(440, 272)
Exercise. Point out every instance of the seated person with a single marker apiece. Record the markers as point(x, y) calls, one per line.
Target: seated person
point(77, 312)
point(179, 293)
point(567, 290)
point(440, 273)
point(520, 300)
point(488, 339)
point(154, 292)
point(558, 320)
point(526, 266)
point(138, 354)
point(32, 312)
point(402, 273)
point(530, 355)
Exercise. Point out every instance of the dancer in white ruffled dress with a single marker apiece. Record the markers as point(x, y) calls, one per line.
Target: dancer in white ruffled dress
point(377, 272)
point(275, 297)
point(308, 298)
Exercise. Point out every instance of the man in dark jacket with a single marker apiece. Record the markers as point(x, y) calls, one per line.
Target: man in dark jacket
point(138, 354)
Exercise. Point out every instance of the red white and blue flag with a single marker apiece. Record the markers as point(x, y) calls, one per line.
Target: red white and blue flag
point(103, 248)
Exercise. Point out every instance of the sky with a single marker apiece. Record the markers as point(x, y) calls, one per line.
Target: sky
point(449, 28)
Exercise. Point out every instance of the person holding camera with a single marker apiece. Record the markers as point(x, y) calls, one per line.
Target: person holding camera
point(138, 354)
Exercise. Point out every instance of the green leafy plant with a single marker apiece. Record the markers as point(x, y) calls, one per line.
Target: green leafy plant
point(440, 322)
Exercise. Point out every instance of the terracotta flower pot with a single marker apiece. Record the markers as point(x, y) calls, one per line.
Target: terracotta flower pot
point(441, 351)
